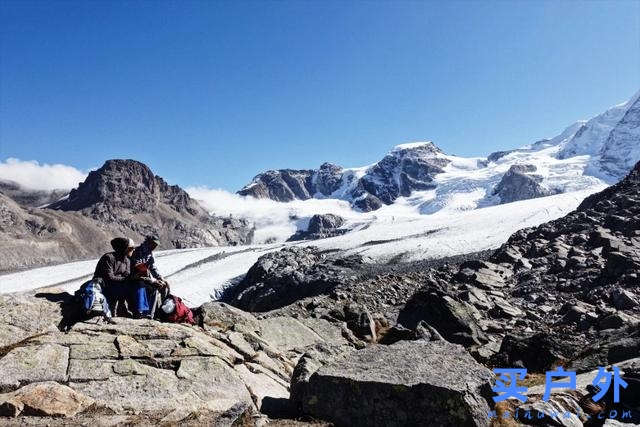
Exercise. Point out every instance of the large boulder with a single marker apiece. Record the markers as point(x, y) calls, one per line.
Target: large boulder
point(518, 183)
point(407, 383)
point(280, 278)
point(455, 320)
point(321, 226)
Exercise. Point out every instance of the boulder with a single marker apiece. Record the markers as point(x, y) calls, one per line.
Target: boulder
point(219, 315)
point(48, 399)
point(280, 278)
point(537, 353)
point(407, 383)
point(29, 364)
point(454, 320)
point(321, 226)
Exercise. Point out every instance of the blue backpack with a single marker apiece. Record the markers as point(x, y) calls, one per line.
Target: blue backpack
point(92, 300)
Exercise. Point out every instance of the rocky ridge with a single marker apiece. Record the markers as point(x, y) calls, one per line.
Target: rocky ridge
point(406, 168)
point(125, 193)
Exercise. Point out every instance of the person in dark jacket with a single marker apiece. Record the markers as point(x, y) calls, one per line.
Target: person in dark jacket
point(147, 279)
point(114, 268)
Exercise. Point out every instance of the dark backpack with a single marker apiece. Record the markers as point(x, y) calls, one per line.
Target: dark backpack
point(91, 299)
point(181, 313)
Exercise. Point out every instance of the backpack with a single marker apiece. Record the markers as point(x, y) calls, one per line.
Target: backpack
point(91, 299)
point(178, 312)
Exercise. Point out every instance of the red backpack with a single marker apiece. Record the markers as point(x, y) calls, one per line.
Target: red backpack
point(182, 313)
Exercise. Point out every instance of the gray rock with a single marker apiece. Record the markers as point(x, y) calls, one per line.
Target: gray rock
point(407, 383)
point(48, 399)
point(280, 278)
point(162, 370)
point(321, 226)
point(518, 184)
point(286, 333)
point(454, 320)
point(403, 170)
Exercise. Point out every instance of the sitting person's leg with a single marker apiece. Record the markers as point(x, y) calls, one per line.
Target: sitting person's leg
point(114, 292)
point(140, 299)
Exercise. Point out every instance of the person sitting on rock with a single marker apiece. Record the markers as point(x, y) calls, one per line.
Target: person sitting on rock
point(148, 283)
point(114, 268)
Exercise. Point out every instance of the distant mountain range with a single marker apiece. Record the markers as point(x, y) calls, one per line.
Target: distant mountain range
point(587, 153)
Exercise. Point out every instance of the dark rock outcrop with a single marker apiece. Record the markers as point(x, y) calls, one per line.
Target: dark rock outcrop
point(518, 183)
point(328, 178)
point(497, 155)
point(282, 185)
point(407, 383)
point(402, 171)
point(321, 226)
point(280, 278)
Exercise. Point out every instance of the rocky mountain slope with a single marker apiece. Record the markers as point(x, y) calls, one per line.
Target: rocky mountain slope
point(587, 153)
point(33, 237)
point(121, 198)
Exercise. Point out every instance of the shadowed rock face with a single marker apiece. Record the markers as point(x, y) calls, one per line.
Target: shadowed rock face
point(280, 278)
point(519, 184)
point(282, 185)
point(407, 383)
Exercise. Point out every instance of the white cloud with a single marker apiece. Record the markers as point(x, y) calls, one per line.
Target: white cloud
point(274, 221)
point(35, 176)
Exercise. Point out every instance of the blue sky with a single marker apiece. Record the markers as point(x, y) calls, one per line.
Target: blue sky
point(210, 93)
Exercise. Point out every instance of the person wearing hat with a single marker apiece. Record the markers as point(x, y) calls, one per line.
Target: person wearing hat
point(147, 278)
point(114, 268)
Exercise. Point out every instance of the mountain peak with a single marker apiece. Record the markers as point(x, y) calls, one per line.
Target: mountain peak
point(127, 184)
point(420, 148)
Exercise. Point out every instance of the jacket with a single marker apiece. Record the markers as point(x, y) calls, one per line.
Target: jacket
point(113, 268)
point(142, 260)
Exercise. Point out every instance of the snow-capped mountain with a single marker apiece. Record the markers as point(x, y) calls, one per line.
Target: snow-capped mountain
point(585, 155)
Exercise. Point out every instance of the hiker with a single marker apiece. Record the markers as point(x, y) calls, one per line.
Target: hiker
point(149, 284)
point(114, 269)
